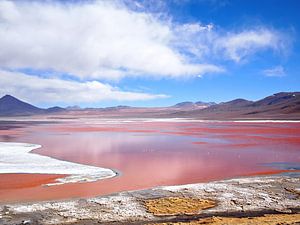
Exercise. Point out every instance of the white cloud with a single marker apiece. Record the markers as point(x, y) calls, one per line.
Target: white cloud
point(195, 39)
point(208, 42)
point(277, 71)
point(238, 46)
point(91, 40)
point(44, 90)
point(110, 40)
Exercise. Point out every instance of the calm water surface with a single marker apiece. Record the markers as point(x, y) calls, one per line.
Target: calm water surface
point(149, 154)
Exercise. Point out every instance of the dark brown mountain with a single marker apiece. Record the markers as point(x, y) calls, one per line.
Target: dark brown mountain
point(283, 105)
point(11, 106)
point(279, 98)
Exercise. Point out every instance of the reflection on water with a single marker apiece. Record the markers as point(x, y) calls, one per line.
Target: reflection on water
point(153, 153)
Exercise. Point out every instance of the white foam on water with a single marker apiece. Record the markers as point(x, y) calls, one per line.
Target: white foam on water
point(17, 158)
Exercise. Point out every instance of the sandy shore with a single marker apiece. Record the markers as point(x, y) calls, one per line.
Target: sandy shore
point(267, 199)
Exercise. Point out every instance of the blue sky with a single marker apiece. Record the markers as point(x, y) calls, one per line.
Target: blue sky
point(148, 53)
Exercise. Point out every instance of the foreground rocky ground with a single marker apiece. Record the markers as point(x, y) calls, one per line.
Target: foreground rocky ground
point(254, 200)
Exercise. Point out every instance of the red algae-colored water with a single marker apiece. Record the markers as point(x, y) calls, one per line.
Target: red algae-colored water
point(149, 154)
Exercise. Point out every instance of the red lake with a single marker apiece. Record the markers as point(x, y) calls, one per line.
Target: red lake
point(149, 153)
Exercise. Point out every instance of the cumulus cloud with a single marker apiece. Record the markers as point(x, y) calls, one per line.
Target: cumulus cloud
point(94, 40)
point(277, 71)
point(107, 40)
point(238, 46)
point(44, 90)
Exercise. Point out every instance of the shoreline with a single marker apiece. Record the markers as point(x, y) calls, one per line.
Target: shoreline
point(239, 197)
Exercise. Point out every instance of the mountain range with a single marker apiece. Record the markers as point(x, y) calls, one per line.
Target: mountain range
point(283, 105)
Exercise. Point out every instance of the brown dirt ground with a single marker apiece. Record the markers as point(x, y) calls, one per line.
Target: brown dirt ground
point(177, 205)
point(271, 219)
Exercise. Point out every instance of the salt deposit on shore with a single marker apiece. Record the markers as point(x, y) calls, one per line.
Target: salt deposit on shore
point(17, 158)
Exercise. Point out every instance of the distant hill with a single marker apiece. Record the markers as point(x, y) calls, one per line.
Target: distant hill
point(185, 104)
point(205, 103)
point(11, 106)
point(198, 104)
point(236, 102)
point(55, 109)
point(74, 107)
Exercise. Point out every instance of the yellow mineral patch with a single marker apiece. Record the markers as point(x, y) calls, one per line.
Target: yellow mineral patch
point(177, 205)
point(272, 219)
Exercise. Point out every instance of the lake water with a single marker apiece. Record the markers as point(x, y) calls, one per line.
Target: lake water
point(149, 153)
